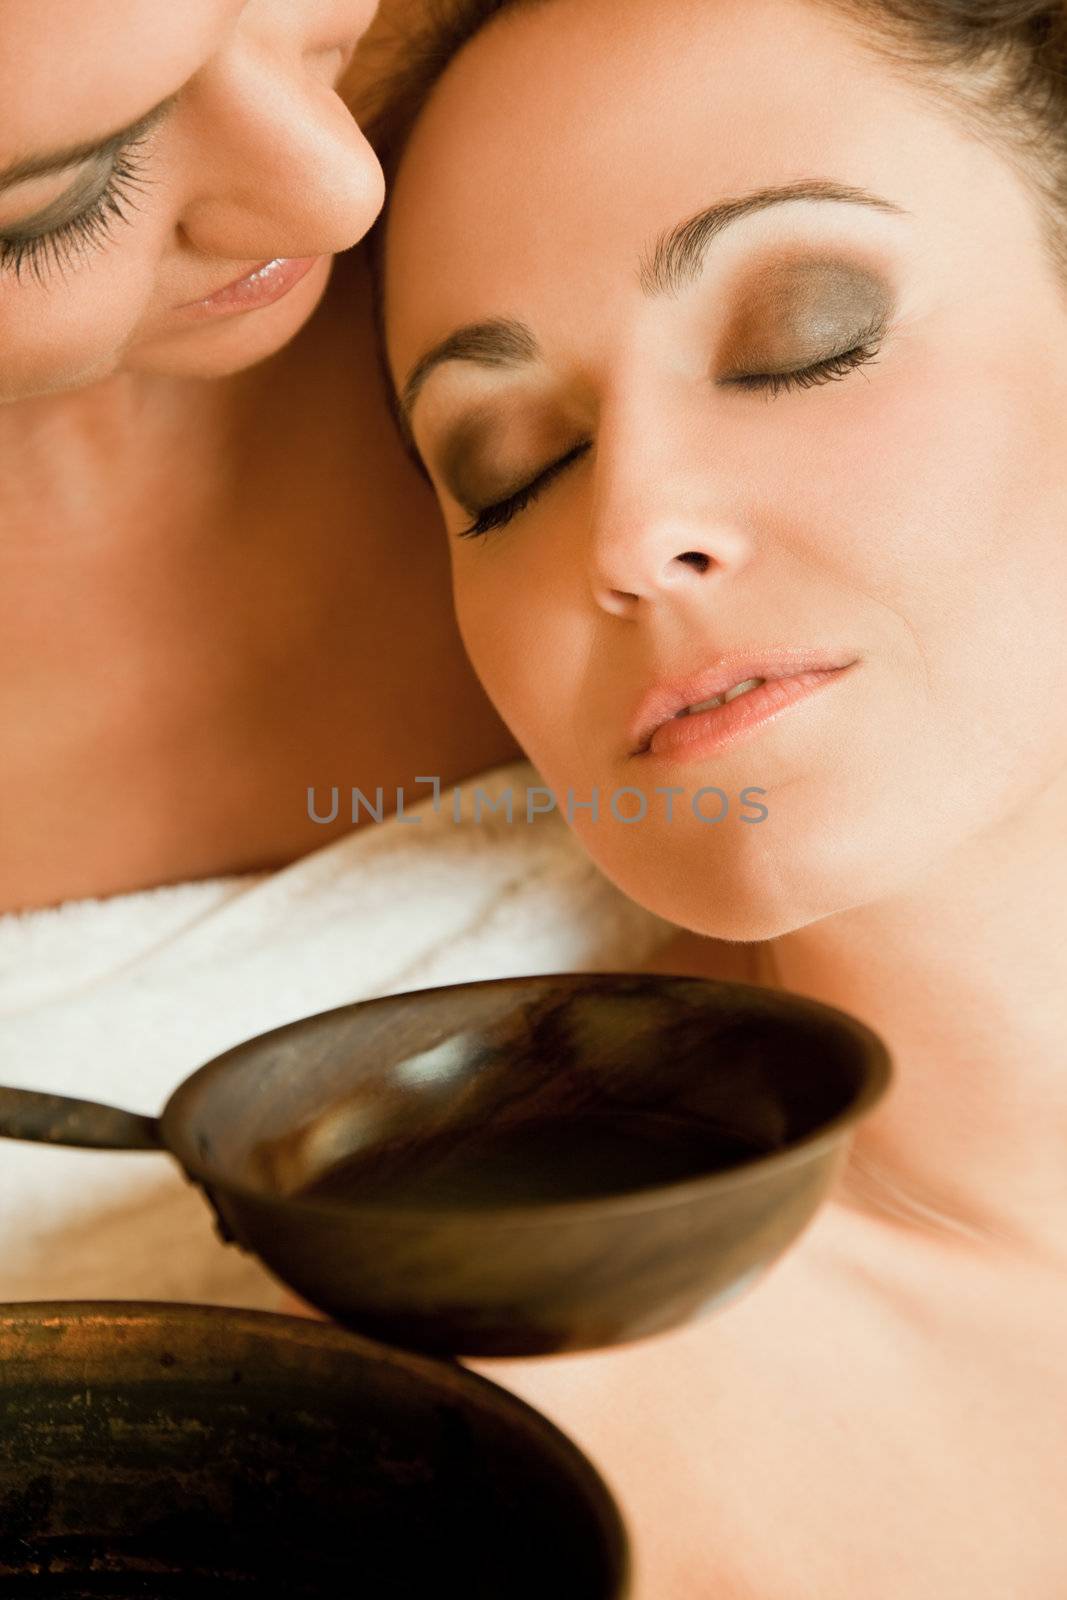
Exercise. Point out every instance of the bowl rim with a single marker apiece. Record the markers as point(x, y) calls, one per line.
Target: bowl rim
point(871, 1052)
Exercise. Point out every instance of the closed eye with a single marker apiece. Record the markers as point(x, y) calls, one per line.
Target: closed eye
point(495, 516)
point(39, 246)
point(806, 377)
point(39, 252)
point(825, 371)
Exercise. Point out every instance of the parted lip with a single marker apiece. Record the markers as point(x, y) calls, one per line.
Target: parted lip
point(665, 700)
point(225, 288)
point(279, 274)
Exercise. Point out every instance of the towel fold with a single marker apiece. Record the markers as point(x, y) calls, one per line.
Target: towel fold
point(121, 999)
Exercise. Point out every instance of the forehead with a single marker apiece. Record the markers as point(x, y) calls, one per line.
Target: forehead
point(72, 69)
point(566, 136)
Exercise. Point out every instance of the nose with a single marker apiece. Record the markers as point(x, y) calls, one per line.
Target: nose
point(667, 521)
point(282, 168)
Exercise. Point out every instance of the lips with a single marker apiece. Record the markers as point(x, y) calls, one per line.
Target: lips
point(261, 287)
point(668, 700)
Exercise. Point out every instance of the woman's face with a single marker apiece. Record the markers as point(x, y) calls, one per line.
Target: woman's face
point(699, 512)
point(153, 155)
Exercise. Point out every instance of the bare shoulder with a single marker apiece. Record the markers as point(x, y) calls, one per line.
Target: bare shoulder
point(690, 1430)
point(844, 1427)
point(617, 1409)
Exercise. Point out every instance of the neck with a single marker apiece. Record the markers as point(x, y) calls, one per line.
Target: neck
point(965, 979)
point(213, 596)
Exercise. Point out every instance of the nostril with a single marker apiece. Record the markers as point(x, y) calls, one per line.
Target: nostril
point(697, 559)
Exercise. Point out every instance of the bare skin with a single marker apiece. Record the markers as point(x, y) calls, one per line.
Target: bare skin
point(212, 598)
point(883, 1415)
point(213, 594)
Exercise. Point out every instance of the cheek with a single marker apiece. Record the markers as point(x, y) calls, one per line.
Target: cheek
point(953, 517)
point(74, 328)
point(522, 625)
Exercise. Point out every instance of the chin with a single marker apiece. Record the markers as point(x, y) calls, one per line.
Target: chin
point(747, 889)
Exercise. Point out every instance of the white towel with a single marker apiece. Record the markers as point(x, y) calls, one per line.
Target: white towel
point(120, 999)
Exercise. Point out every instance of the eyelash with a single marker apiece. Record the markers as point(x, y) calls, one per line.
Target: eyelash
point(834, 367)
point(495, 516)
point(53, 251)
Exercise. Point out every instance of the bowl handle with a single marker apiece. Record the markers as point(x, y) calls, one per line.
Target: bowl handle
point(58, 1119)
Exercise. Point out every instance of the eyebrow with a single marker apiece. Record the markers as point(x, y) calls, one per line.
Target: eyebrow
point(500, 342)
point(59, 160)
point(674, 260)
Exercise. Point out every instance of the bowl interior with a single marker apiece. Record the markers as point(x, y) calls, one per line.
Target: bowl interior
point(157, 1450)
point(522, 1092)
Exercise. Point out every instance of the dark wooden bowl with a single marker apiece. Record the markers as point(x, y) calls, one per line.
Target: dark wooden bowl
point(529, 1165)
point(195, 1453)
point(515, 1167)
